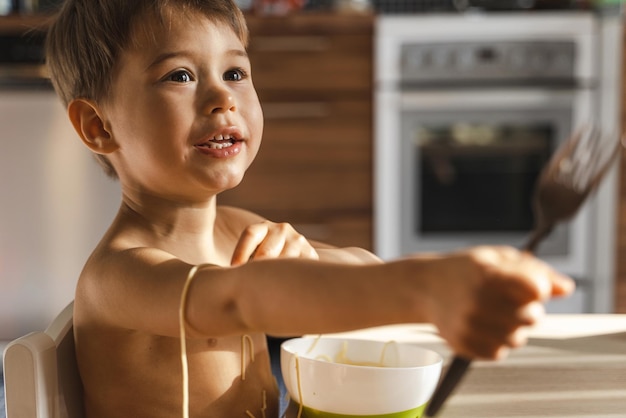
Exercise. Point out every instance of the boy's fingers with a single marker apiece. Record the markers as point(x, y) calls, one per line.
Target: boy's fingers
point(562, 286)
point(489, 336)
point(549, 282)
point(270, 246)
point(291, 250)
point(531, 313)
point(298, 247)
point(539, 281)
point(248, 244)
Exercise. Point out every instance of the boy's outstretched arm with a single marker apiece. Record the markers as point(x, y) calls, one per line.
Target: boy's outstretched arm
point(479, 299)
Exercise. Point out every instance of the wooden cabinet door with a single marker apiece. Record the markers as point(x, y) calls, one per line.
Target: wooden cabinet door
point(314, 169)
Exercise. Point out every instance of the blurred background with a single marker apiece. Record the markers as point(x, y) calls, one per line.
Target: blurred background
point(398, 126)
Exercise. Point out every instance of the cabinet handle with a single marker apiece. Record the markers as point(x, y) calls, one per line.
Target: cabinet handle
point(290, 44)
point(296, 110)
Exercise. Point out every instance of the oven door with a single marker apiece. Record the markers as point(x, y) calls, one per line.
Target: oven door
point(458, 169)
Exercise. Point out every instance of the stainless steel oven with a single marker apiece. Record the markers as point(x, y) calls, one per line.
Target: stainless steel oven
point(468, 110)
point(472, 164)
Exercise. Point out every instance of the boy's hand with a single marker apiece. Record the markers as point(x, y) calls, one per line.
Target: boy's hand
point(271, 240)
point(486, 297)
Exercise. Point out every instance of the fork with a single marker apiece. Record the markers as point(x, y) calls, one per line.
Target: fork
point(573, 172)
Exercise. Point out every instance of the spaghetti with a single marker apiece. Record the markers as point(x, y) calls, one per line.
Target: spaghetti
point(246, 341)
point(314, 343)
point(340, 358)
point(301, 403)
point(183, 340)
point(263, 407)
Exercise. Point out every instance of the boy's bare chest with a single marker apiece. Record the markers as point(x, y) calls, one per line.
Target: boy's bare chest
point(225, 378)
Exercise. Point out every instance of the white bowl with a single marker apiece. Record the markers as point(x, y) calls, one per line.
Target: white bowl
point(390, 379)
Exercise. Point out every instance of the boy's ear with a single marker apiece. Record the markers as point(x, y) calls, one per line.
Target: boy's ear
point(85, 117)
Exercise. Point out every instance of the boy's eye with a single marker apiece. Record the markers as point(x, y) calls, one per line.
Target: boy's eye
point(234, 75)
point(181, 76)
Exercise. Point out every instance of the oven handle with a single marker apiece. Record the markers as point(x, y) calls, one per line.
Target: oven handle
point(488, 99)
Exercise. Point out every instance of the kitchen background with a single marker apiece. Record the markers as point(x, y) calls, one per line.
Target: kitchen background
point(356, 95)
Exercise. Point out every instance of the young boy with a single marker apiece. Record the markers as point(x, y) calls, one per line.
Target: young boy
point(161, 92)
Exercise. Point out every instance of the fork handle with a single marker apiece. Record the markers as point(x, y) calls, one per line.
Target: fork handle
point(453, 376)
point(459, 364)
point(536, 236)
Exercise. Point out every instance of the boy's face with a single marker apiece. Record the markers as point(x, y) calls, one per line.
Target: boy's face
point(184, 111)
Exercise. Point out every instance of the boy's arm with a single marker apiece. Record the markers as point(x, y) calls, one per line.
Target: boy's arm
point(479, 299)
point(140, 289)
point(353, 255)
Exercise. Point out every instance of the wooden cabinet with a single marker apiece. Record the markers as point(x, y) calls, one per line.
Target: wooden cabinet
point(20, 24)
point(313, 74)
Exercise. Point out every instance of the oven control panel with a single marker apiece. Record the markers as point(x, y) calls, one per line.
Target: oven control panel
point(495, 62)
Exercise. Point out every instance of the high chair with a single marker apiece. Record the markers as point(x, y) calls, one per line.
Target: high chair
point(41, 377)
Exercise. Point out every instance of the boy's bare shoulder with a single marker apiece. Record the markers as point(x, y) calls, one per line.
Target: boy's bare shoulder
point(121, 285)
point(134, 278)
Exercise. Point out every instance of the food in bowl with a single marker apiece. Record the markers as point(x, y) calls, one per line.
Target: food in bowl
point(334, 377)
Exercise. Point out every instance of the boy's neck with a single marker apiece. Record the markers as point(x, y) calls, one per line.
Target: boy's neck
point(171, 221)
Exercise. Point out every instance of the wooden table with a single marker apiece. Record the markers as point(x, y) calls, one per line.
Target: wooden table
point(574, 366)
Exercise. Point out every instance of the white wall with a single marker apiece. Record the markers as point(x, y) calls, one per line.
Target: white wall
point(55, 203)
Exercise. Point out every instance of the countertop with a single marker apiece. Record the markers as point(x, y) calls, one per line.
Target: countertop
point(574, 366)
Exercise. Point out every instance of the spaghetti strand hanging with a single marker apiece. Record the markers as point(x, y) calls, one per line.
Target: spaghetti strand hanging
point(183, 339)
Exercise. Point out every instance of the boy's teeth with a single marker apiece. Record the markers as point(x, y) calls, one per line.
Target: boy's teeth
point(219, 145)
point(220, 142)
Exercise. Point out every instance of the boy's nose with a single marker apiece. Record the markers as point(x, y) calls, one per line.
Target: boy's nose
point(219, 100)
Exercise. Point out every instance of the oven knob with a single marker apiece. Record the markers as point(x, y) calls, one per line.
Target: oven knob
point(562, 62)
point(517, 59)
point(466, 59)
point(416, 60)
point(539, 61)
point(441, 58)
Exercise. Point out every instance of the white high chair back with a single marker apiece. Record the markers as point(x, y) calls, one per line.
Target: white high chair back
point(41, 377)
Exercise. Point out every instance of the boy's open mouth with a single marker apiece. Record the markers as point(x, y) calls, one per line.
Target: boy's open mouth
point(219, 142)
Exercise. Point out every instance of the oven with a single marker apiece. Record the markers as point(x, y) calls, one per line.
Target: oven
point(469, 107)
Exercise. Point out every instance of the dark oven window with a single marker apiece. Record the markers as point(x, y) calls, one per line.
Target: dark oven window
point(479, 177)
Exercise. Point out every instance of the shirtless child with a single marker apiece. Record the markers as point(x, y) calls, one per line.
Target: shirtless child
point(161, 92)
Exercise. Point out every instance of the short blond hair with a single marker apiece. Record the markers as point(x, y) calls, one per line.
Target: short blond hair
point(87, 36)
